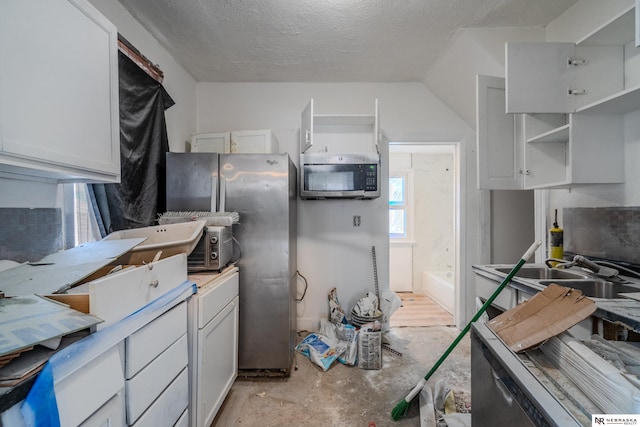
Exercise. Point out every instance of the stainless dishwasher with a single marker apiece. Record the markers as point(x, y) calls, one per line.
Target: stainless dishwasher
point(505, 392)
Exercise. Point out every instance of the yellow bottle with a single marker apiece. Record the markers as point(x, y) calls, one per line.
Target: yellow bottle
point(555, 240)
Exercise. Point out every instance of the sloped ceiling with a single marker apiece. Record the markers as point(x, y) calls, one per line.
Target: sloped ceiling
point(323, 40)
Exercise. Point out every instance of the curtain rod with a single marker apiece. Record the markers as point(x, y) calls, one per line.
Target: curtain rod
point(134, 54)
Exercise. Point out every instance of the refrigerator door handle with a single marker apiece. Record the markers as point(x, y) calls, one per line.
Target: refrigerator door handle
point(223, 194)
point(214, 192)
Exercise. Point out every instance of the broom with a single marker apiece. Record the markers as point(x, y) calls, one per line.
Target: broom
point(401, 408)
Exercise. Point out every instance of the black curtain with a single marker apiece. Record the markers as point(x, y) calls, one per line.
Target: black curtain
point(140, 196)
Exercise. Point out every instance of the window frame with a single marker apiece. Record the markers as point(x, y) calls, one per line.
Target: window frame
point(407, 206)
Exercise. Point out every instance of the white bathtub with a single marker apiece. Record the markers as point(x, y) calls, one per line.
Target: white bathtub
point(440, 286)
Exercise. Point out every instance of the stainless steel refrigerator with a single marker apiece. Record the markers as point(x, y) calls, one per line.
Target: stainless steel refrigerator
point(262, 188)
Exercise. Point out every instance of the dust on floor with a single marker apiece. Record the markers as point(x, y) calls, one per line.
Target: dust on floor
point(348, 396)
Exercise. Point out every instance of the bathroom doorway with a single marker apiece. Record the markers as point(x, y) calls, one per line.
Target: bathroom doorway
point(423, 202)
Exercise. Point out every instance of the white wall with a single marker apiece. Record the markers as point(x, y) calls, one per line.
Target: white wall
point(331, 252)
point(512, 217)
point(571, 26)
point(434, 214)
point(473, 51)
point(181, 118)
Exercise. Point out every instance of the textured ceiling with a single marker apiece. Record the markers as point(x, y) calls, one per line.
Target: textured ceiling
point(323, 40)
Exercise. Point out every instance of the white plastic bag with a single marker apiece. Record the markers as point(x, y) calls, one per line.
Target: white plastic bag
point(347, 334)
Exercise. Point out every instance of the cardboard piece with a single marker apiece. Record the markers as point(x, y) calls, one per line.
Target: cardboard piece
point(545, 315)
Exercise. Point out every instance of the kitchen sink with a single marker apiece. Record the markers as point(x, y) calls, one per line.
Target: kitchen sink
point(538, 272)
point(594, 288)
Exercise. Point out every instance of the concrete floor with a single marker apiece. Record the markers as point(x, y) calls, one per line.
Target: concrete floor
point(348, 396)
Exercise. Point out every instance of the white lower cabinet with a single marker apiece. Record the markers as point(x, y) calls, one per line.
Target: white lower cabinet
point(150, 382)
point(87, 395)
point(213, 330)
point(169, 406)
point(110, 414)
point(505, 300)
point(183, 421)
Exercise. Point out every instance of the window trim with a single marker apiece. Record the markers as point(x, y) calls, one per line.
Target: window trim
point(407, 207)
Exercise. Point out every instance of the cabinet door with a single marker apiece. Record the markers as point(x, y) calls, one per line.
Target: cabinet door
point(376, 128)
point(211, 143)
point(637, 21)
point(306, 127)
point(59, 83)
point(538, 77)
point(217, 362)
point(499, 152)
point(254, 141)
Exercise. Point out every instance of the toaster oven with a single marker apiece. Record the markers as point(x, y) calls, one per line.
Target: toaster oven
point(214, 250)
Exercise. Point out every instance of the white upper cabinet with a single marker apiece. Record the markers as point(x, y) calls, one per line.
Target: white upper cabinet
point(569, 101)
point(560, 77)
point(596, 75)
point(211, 142)
point(339, 133)
point(637, 32)
point(529, 151)
point(500, 157)
point(59, 114)
point(241, 141)
point(254, 141)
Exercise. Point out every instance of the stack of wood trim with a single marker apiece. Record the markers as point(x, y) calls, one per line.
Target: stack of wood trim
point(604, 384)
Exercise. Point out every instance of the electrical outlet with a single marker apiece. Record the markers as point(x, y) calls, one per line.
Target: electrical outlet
point(356, 220)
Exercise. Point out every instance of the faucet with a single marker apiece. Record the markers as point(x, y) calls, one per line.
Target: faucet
point(581, 261)
point(597, 269)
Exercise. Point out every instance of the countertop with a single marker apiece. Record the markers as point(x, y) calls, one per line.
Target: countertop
point(625, 311)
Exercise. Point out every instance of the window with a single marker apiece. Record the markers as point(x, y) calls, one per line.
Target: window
point(80, 222)
point(398, 206)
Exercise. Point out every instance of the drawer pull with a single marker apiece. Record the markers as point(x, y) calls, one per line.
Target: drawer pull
point(155, 283)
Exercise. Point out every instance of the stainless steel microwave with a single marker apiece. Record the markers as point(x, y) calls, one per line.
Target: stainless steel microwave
point(346, 176)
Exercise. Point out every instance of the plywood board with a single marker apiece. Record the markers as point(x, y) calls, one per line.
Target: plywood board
point(63, 269)
point(30, 319)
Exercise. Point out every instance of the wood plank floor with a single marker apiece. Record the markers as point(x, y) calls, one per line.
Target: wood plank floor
point(419, 310)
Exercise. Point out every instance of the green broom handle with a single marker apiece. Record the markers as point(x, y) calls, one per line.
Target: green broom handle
point(484, 307)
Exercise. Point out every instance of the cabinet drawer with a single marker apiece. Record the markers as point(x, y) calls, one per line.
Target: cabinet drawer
point(146, 344)
point(115, 296)
point(505, 300)
point(111, 414)
point(184, 419)
point(149, 383)
point(215, 298)
point(75, 403)
point(170, 406)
